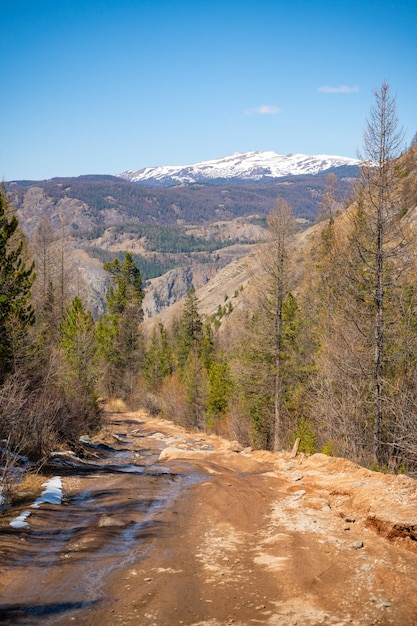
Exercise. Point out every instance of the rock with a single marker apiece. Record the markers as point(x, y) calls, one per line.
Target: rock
point(383, 605)
point(107, 521)
point(350, 520)
point(179, 453)
point(296, 445)
point(296, 476)
point(357, 545)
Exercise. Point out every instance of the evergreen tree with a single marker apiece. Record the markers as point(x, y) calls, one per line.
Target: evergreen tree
point(194, 377)
point(342, 386)
point(78, 342)
point(119, 331)
point(158, 359)
point(207, 347)
point(219, 390)
point(16, 312)
point(126, 286)
point(254, 373)
point(189, 332)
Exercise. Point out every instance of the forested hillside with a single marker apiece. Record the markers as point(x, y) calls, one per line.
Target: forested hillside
point(320, 343)
point(184, 234)
point(311, 337)
point(102, 201)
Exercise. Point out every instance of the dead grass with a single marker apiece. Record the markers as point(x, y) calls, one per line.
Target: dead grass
point(30, 487)
point(115, 405)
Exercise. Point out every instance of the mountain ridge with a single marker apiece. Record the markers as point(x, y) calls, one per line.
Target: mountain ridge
point(247, 166)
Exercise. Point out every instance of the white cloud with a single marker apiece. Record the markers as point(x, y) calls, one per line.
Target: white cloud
point(264, 109)
point(340, 89)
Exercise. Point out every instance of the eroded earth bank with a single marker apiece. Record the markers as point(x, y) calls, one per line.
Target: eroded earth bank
point(163, 527)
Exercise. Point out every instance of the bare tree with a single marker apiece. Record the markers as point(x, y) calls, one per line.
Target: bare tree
point(43, 250)
point(382, 142)
point(276, 263)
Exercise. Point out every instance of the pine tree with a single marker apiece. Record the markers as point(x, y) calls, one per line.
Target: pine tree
point(119, 331)
point(189, 332)
point(194, 377)
point(126, 286)
point(219, 390)
point(158, 359)
point(342, 384)
point(16, 312)
point(78, 342)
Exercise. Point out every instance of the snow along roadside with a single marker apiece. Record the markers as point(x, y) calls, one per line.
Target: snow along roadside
point(52, 494)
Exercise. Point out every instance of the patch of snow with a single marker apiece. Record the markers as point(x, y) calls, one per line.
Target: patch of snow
point(52, 493)
point(20, 520)
point(247, 166)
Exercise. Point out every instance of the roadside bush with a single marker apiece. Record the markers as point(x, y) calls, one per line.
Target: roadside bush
point(174, 400)
point(235, 425)
point(308, 437)
point(37, 415)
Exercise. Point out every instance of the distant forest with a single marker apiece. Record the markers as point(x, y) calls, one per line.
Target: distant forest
point(193, 204)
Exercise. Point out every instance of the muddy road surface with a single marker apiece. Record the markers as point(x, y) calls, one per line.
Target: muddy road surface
point(163, 527)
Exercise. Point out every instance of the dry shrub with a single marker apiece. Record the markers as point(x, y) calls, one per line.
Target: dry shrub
point(37, 416)
point(151, 403)
point(173, 400)
point(143, 397)
point(115, 405)
point(235, 425)
point(28, 416)
point(30, 487)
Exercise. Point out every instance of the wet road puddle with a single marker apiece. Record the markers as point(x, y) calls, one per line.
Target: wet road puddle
point(61, 563)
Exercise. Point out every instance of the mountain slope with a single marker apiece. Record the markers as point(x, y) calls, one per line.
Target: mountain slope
point(178, 235)
point(246, 166)
point(237, 281)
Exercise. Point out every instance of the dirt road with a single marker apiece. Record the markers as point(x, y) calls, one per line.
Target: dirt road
point(168, 527)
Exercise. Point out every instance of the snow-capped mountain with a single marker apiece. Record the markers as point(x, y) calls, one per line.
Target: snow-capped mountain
point(244, 166)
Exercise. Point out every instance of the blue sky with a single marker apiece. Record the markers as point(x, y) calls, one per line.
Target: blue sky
point(103, 86)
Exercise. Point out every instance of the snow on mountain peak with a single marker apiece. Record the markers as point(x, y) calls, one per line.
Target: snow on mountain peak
point(243, 165)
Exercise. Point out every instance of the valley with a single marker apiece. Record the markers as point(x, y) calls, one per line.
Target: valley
point(180, 233)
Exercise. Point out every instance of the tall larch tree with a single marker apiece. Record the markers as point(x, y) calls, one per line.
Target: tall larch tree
point(382, 143)
point(269, 368)
point(276, 261)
